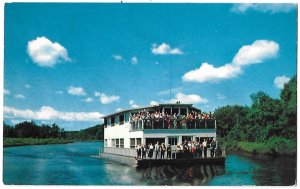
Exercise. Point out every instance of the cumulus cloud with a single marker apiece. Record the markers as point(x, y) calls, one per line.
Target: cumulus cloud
point(117, 57)
point(189, 99)
point(279, 81)
point(134, 60)
point(131, 102)
point(46, 53)
point(106, 99)
point(27, 86)
point(19, 96)
point(77, 91)
point(255, 53)
point(264, 7)
point(209, 73)
point(6, 92)
point(164, 49)
point(153, 103)
point(119, 109)
point(88, 99)
point(49, 113)
point(259, 51)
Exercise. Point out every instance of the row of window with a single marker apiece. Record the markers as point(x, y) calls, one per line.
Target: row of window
point(116, 120)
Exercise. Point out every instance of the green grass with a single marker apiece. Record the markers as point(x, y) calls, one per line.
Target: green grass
point(9, 142)
point(274, 146)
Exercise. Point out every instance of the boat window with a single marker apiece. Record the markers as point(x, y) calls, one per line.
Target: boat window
point(113, 121)
point(168, 111)
point(188, 138)
point(138, 141)
point(117, 143)
point(121, 118)
point(105, 122)
point(182, 111)
point(105, 142)
point(113, 142)
point(122, 143)
point(175, 110)
point(132, 142)
point(172, 140)
point(126, 117)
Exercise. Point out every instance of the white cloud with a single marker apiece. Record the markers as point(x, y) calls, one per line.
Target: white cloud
point(27, 86)
point(58, 92)
point(135, 106)
point(46, 53)
point(106, 99)
point(279, 81)
point(49, 113)
point(209, 73)
point(165, 49)
point(19, 96)
point(117, 57)
point(257, 52)
point(77, 91)
point(131, 102)
point(6, 92)
point(153, 103)
point(189, 99)
point(220, 96)
point(119, 109)
point(264, 7)
point(134, 60)
point(88, 99)
point(97, 94)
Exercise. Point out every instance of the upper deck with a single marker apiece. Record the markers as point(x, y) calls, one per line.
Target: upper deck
point(162, 116)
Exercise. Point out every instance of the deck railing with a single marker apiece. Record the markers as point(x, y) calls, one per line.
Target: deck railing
point(175, 154)
point(120, 151)
point(173, 124)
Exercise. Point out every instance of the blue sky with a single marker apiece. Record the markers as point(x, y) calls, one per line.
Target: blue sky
point(72, 63)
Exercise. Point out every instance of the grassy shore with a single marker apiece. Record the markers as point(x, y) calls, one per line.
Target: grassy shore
point(273, 147)
point(10, 142)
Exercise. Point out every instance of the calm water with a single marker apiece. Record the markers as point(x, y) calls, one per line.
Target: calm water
point(73, 164)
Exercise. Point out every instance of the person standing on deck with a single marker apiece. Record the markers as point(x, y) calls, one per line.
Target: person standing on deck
point(156, 149)
point(143, 150)
point(162, 151)
point(138, 151)
point(150, 154)
point(204, 144)
point(212, 148)
point(169, 151)
point(198, 149)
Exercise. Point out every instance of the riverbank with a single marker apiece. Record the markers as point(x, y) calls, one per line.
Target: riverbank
point(278, 147)
point(11, 142)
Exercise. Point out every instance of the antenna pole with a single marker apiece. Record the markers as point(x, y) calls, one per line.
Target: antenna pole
point(170, 77)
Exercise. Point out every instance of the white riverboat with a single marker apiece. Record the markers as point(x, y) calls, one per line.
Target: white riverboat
point(171, 124)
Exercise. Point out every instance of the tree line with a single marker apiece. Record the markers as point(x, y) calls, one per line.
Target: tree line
point(29, 129)
point(267, 120)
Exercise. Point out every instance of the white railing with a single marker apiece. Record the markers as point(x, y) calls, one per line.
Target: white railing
point(120, 151)
point(130, 152)
point(173, 124)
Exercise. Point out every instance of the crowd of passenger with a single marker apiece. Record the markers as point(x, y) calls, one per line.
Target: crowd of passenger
point(161, 151)
point(156, 119)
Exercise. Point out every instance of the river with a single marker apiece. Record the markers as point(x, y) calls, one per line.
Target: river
point(74, 164)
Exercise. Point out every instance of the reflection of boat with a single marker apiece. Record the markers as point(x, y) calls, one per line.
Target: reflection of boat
point(195, 175)
point(126, 130)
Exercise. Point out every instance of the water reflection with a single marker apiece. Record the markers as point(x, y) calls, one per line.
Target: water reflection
point(181, 175)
